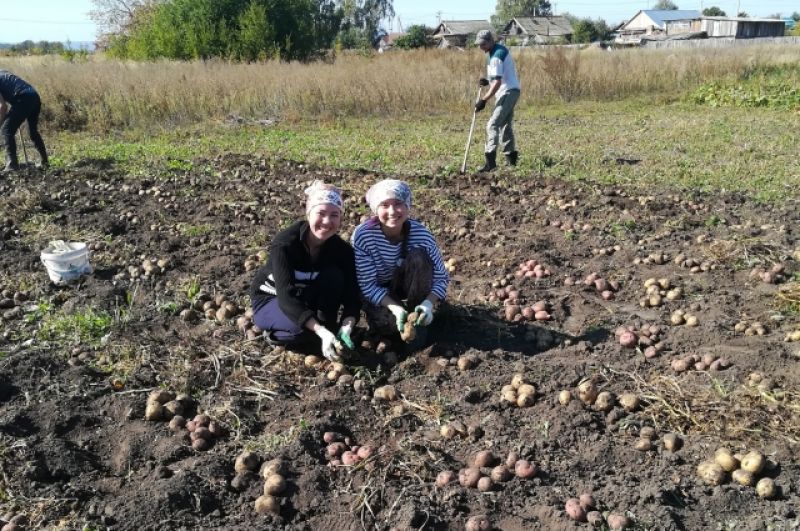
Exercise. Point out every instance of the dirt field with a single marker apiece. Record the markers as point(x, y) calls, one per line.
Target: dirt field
point(79, 362)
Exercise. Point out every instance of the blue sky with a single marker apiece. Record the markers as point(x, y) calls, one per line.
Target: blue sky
point(59, 20)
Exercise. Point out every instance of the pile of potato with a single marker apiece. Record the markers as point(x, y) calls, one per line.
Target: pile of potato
point(486, 471)
point(335, 371)
point(605, 288)
point(163, 405)
point(604, 401)
point(519, 393)
point(506, 293)
point(584, 509)
point(754, 328)
point(700, 363)
point(743, 469)
point(561, 204)
point(341, 451)
point(538, 311)
point(606, 251)
point(774, 275)
point(220, 309)
point(11, 304)
point(275, 484)
point(203, 430)
point(682, 317)
point(450, 265)
point(652, 258)
point(531, 269)
point(149, 267)
point(254, 261)
point(647, 336)
point(757, 380)
point(657, 290)
point(246, 325)
point(694, 265)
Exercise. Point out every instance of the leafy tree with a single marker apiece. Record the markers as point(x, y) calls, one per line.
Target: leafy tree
point(505, 10)
point(588, 30)
point(796, 16)
point(665, 5)
point(366, 15)
point(417, 36)
point(742, 14)
point(713, 11)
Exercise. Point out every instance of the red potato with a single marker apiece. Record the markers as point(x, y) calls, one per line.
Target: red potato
point(331, 437)
point(445, 477)
point(365, 452)
point(484, 459)
point(617, 521)
point(542, 316)
point(468, 477)
point(587, 501)
point(628, 339)
point(524, 469)
point(574, 510)
point(512, 459)
point(336, 449)
point(501, 474)
point(485, 484)
point(349, 458)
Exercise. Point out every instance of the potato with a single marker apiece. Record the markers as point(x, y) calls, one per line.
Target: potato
point(445, 477)
point(154, 411)
point(526, 389)
point(517, 380)
point(525, 400)
point(617, 521)
point(201, 445)
point(587, 392)
point(628, 339)
point(468, 477)
point(484, 458)
point(679, 365)
point(177, 423)
point(387, 393)
point(564, 397)
point(336, 449)
point(312, 361)
point(500, 474)
point(275, 466)
point(587, 501)
point(595, 518)
point(350, 458)
point(447, 431)
point(365, 452)
point(485, 484)
point(202, 433)
point(629, 402)
point(201, 421)
point(274, 485)
point(512, 311)
point(604, 402)
point(467, 362)
point(267, 505)
point(711, 473)
point(643, 445)
point(409, 332)
point(524, 469)
point(574, 510)
point(672, 443)
point(478, 523)
point(753, 462)
point(331, 436)
point(161, 396)
point(743, 477)
point(726, 460)
point(765, 488)
point(246, 461)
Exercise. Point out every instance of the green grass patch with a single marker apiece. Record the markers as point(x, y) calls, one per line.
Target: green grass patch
point(86, 326)
point(772, 86)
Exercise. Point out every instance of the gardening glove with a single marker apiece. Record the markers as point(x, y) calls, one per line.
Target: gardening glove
point(483, 82)
point(344, 335)
point(400, 314)
point(425, 312)
point(329, 343)
point(480, 105)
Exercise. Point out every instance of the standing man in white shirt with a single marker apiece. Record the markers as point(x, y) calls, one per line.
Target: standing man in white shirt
point(501, 78)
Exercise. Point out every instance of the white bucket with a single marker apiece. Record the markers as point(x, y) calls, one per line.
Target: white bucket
point(66, 261)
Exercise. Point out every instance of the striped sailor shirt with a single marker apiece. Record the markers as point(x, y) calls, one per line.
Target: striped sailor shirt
point(377, 258)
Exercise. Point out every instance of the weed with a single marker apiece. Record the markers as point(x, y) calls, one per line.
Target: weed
point(88, 326)
point(713, 221)
point(201, 229)
point(193, 289)
point(42, 309)
point(569, 235)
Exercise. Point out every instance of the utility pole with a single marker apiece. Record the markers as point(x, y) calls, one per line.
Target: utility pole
point(738, 7)
point(438, 17)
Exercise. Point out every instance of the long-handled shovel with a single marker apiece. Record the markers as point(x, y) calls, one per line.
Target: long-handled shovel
point(469, 138)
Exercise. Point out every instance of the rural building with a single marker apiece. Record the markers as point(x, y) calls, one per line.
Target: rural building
point(742, 28)
point(459, 33)
point(539, 30)
point(649, 22)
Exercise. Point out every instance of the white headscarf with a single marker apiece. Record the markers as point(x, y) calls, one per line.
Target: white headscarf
point(320, 193)
point(388, 189)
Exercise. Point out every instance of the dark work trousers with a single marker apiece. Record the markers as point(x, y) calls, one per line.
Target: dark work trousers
point(25, 106)
point(410, 285)
point(323, 296)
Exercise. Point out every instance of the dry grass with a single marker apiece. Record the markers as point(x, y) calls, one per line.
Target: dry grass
point(102, 94)
point(726, 410)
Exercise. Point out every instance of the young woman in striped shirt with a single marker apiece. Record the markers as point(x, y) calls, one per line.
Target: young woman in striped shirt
point(398, 263)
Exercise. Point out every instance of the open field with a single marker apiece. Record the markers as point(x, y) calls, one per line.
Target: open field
point(629, 188)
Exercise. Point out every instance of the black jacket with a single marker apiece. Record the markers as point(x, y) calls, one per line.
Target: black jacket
point(289, 269)
point(11, 86)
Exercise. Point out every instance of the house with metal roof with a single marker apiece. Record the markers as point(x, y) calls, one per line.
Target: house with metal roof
point(539, 30)
point(459, 33)
point(656, 22)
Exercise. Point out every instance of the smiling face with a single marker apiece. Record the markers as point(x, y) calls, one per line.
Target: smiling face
point(392, 213)
point(324, 221)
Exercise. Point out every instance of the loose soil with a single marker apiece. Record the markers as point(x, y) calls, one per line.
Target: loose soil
point(76, 452)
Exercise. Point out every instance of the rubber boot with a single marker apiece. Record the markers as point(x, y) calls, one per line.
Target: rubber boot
point(12, 164)
point(491, 162)
point(511, 158)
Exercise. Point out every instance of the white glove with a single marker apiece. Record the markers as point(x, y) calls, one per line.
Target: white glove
point(425, 313)
point(400, 314)
point(329, 343)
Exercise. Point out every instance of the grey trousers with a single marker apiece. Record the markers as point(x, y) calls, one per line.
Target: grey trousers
point(411, 283)
point(499, 130)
